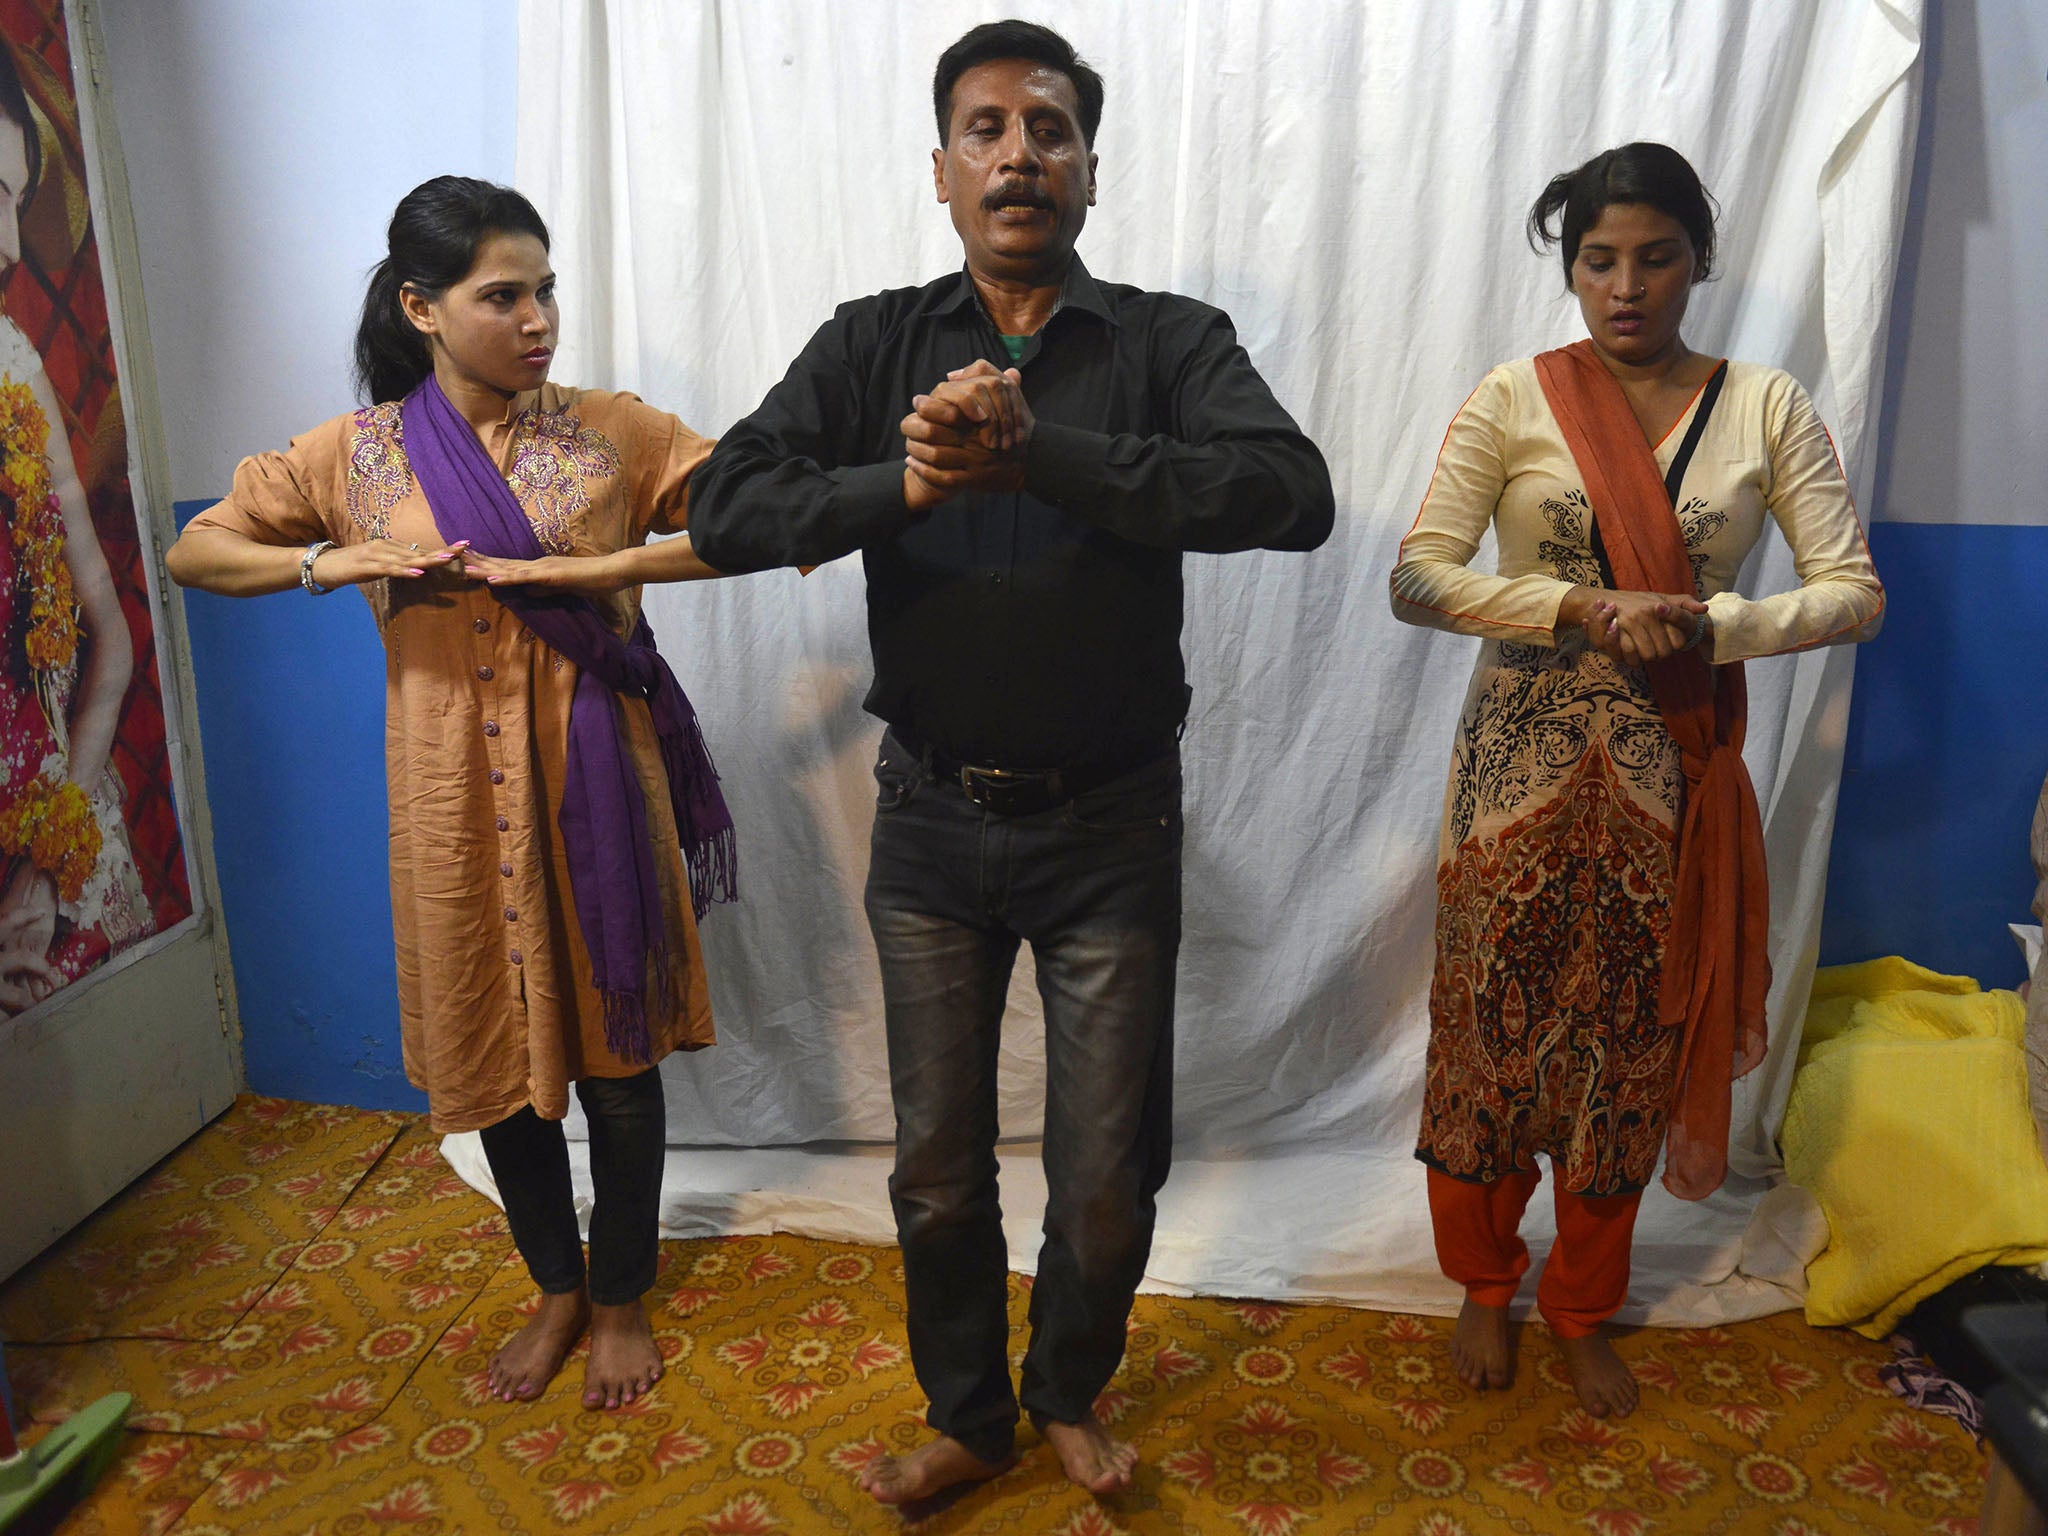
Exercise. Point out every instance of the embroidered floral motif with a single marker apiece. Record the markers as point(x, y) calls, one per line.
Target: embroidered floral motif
point(379, 474)
point(1574, 539)
point(1699, 525)
point(553, 456)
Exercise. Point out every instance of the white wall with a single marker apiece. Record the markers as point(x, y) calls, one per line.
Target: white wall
point(267, 142)
point(1967, 438)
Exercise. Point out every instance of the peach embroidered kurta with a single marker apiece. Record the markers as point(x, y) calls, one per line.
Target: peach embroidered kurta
point(495, 1001)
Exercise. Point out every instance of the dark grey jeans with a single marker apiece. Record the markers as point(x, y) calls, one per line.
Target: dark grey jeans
point(1094, 888)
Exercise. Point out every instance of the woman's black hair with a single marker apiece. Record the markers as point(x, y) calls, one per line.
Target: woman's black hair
point(1654, 175)
point(432, 243)
point(14, 108)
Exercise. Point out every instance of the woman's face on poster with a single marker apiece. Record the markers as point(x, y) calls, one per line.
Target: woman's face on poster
point(13, 189)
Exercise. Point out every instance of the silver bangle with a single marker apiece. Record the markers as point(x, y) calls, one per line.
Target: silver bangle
point(1702, 627)
point(313, 552)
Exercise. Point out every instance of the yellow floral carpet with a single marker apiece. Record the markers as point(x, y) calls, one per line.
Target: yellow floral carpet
point(303, 1301)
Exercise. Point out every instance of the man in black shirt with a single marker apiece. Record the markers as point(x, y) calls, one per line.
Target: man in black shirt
point(1021, 453)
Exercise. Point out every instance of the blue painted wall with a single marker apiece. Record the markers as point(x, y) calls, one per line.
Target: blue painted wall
point(291, 718)
point(1947, 749)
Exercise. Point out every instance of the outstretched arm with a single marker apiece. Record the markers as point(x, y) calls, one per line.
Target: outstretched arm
point(790, 484)
point(670, 559)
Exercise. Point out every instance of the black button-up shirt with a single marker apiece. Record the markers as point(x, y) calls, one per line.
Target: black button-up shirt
point(1026, 630)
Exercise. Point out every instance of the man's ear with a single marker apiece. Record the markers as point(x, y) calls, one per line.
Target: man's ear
point(939, 173)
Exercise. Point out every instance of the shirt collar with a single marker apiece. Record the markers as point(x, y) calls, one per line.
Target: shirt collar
point(1079, 290)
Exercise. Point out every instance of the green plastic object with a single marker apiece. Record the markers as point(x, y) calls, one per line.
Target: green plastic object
point(38, 1485)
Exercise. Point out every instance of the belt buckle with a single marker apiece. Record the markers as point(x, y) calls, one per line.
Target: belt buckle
point(1002, 791)
point(988, 788)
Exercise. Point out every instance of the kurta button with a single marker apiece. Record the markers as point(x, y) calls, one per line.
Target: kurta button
point(485, 673)
point(504, 825)
point(481, 626)
point(505, 870)
point(517, 957)
point(491, 726)
point(511, 914)
point(497, 776)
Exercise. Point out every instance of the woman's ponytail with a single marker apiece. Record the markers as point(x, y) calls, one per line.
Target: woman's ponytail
point(392, 356)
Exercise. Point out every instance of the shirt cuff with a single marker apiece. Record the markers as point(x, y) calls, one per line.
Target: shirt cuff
point(1065, 465)
point(871, 497)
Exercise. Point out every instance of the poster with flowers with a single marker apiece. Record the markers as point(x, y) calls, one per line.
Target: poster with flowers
point(93, 863)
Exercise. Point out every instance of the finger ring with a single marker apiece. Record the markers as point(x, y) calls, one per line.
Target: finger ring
point(414, 548)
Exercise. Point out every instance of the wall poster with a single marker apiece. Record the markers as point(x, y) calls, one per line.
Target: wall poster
point(89, 835)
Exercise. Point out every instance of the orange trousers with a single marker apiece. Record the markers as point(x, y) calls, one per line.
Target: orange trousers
point(1585, 1279)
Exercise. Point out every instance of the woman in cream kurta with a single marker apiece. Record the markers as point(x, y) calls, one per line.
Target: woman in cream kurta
point(494, 991)
point(1544, 1033)
point(1559, 853)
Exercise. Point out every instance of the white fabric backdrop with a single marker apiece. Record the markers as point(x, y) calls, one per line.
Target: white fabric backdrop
point(1348, 180)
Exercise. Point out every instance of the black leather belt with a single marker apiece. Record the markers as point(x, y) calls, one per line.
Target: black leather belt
point(1025, 792)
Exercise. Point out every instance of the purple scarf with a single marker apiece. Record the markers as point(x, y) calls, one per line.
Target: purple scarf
point(604, 817)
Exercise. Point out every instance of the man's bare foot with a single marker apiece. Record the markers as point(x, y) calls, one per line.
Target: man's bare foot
point(1605, 1385)
point(625, 1362)
point(930, 1469)
point(1481, 1351)
point(1092, 1456)
point(527, 1362)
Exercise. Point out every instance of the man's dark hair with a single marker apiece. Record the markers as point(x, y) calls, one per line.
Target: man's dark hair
point(1017, 40)
point(1654, 175)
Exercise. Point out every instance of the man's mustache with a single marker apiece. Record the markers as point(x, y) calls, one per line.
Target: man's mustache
point(1017, 193)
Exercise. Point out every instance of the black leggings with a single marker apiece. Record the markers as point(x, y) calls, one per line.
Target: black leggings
point(529, 1158)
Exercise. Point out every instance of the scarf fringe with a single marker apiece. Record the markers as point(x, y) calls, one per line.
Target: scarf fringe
point(703, 823)
point(626, 1034)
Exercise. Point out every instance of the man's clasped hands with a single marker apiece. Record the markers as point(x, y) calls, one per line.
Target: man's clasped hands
point(968, 434)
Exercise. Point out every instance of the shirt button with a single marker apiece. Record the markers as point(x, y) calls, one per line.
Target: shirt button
point(481, 626)
point(517, 957)
point(504, 825)
point(485, 673)
point(490, 727)
point(989, 678)
point(511, 914)
point(996, 577)
point(505, 870)
point(497, 777)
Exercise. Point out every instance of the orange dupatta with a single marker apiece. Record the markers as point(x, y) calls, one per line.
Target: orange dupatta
point(1717, 968)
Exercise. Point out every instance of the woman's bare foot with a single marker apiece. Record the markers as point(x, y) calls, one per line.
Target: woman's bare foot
point(527, 1362)
point(1606, 1386)
point(625, 1362)
point(1482, 1352)
point(1092, 1456)
point(927, 1471)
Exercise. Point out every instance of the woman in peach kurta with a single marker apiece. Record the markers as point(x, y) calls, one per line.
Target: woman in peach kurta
point(499, 1008)
point(494, 987)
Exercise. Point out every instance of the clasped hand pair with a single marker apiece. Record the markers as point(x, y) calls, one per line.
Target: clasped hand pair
point(1635, 627)
point(968, 434)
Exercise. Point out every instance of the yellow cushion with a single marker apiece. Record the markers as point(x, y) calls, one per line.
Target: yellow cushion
point(1908, 1120)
